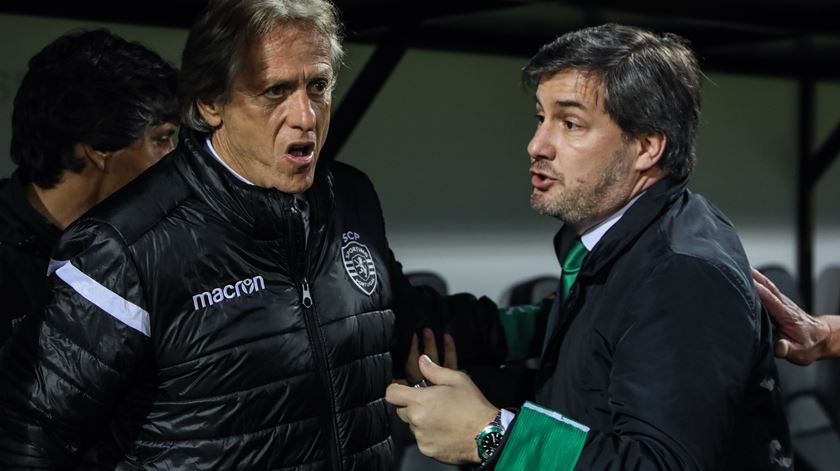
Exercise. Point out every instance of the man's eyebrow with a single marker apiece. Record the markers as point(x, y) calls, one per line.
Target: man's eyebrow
point(570, 104)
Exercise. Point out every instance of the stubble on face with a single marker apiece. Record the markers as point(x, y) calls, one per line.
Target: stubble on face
point(580, 203)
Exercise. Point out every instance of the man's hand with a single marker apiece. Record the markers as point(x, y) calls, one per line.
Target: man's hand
point(450, 355)
point(804, 338)
point(444, 417)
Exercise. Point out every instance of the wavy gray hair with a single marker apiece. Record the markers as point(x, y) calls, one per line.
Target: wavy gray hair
point(211, 57)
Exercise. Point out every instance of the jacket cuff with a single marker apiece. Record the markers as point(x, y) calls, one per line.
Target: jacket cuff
point(541, 439)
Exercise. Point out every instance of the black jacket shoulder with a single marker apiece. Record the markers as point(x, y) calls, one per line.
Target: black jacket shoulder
point(698, 232)
point(145, 201)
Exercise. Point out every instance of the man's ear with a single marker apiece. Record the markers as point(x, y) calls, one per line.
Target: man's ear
point(651, 148)
point(210, 111)
point(97, 158)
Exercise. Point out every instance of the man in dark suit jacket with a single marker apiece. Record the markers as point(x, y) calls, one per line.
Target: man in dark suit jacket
point(656, 354)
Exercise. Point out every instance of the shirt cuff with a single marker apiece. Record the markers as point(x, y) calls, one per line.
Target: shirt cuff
point(507, 418)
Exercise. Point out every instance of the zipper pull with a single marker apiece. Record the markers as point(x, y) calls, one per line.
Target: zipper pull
point(307, 296)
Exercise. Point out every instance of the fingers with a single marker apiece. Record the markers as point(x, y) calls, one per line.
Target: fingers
point(760, 279)
point(766, 295)
point(430, 345)
point(782, 348)
point(450, 354)
point(773, 303)
point(763, 281)
point(400, 395)
point(437, 374)
point(793, 353)
point(450, 357)
point(414, 349)
point(758, 276)
point(402, 413)
point(412, 371)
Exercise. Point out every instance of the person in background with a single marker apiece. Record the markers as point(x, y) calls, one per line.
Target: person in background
point(92, 112)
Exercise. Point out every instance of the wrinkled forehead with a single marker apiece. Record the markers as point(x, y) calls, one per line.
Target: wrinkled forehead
point(286, 47)
point(289, 38)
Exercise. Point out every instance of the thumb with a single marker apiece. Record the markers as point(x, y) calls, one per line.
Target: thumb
point(782, 348)
point(436, 373)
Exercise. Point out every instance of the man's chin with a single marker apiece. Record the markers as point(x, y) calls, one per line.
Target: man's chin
point(295, 185)
point(545, 207)
point(541, 204)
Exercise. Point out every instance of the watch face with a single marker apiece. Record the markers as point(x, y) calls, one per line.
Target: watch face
point(488, 444)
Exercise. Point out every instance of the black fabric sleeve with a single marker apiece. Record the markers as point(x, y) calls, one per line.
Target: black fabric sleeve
point(472, 322)
point(64, 369)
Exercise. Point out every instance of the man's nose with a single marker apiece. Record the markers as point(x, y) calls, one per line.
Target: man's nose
point(540, 146)
point(302, 114)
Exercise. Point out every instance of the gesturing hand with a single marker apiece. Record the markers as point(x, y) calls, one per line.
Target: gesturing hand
point(444, 417)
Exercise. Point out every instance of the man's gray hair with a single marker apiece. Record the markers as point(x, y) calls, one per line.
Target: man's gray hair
point(216, 42)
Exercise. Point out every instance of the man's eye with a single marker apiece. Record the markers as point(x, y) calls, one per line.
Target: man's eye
point(165, 139)
point(571, 126)
point(275, 91)
point(540, 119)
point(319, 87)
point(165, 143)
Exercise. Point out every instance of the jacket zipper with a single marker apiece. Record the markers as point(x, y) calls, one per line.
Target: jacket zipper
point(310, 318)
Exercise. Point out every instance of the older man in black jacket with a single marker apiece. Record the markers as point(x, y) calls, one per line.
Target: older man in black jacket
point(657, 354)
point(234, 307)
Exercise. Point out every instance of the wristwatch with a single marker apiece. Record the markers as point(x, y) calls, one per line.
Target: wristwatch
point(490, 437)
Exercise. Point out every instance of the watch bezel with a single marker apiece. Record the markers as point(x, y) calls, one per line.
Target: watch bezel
point(485, 450)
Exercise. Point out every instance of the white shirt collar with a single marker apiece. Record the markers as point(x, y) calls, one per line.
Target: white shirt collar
point(298, 196)
point(224, 164)
point(593, 235)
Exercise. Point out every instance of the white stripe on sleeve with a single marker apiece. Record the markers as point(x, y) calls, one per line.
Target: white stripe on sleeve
point(556, 416)
point(118, 307)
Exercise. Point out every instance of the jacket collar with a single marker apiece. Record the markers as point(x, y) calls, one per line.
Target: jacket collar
point(263, 213)
point(638, 217)
point(24, 227)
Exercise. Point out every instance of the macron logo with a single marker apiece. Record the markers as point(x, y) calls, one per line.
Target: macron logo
point(235, 290)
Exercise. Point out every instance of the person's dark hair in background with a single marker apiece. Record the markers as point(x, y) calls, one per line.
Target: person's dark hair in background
point(651, 83)
point(91, 87)
point(92, 112)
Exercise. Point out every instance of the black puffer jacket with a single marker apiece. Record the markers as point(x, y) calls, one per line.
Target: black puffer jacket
point(26, 240)
point(192, 324)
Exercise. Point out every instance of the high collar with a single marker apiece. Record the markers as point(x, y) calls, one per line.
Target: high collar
point(260, 212)
point(638, 217)
point(25, 227)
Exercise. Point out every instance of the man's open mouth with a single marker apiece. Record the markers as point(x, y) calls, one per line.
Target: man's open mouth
point(301, 150)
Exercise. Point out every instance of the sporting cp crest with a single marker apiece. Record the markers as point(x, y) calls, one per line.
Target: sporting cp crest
point(359, 264)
